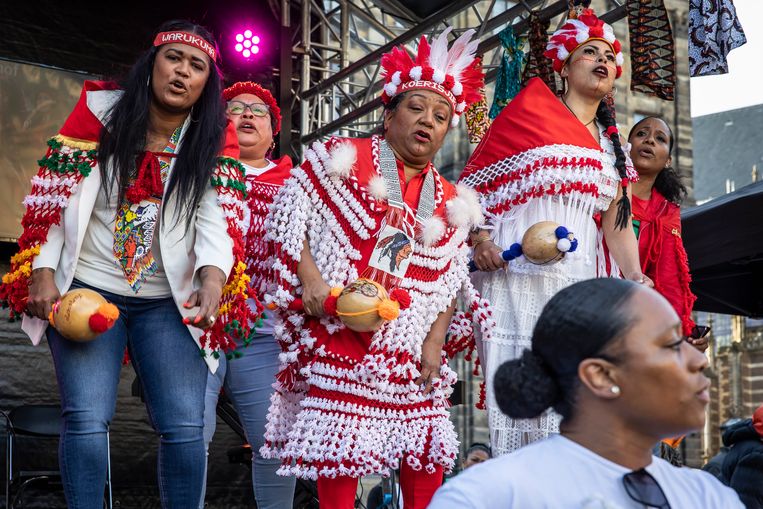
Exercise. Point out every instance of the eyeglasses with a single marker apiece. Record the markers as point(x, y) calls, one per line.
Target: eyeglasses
point(644, 489)
point(239, 107)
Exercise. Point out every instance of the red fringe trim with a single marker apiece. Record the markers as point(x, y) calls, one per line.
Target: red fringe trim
point(235, 323)
point(541, 191)
point(539, 164)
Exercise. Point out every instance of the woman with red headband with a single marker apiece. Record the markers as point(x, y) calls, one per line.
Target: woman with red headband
point(558, 159)
point(248, 379)
point(350, 403)
point(138, 199)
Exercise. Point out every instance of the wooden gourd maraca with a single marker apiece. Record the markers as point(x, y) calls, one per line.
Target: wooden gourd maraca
point(541, 243)
point(365, 305)
point(82, 314)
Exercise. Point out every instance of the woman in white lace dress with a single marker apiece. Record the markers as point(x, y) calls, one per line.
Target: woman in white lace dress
point(549, 158)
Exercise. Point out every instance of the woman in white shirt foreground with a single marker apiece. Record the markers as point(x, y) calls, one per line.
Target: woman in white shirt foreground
point(608, 355)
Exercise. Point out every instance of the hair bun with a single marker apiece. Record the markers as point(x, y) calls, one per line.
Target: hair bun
point(524, 387)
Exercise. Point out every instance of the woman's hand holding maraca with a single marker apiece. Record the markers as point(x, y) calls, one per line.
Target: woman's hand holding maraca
point(43, 293)
point(314, 288)
point(487, 256)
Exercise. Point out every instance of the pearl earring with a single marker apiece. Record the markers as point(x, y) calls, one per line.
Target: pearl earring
point(614, 389)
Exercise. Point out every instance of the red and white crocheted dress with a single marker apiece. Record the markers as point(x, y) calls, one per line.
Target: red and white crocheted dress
point(260, 191)
point(536, 163)
point(346, 402)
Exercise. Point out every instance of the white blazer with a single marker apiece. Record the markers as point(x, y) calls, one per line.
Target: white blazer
point(183, 253)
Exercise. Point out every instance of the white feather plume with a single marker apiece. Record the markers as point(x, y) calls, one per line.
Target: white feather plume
point(438, 55)
point(472, 201)
point(432, 231)
point(461, 54)
point(458, 212)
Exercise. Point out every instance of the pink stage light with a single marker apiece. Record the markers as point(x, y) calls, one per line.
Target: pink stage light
point(247, 44)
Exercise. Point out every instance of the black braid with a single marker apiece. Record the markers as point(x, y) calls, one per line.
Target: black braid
point(607, 118)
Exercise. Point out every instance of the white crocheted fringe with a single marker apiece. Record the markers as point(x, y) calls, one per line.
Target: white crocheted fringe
point(331, 444)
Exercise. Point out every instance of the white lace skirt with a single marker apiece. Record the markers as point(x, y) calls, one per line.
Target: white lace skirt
point(517, 296)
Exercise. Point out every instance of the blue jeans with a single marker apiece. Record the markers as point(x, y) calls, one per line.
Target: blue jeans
point(248, 382)
point(173, 376)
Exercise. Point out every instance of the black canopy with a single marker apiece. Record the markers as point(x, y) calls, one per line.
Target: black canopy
point(724, 241)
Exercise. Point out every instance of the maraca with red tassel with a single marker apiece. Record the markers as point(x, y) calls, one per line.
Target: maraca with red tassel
point(82, 314)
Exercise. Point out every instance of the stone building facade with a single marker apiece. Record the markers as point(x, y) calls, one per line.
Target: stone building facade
point(736, 371)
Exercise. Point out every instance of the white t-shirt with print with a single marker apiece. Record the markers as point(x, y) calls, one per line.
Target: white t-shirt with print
point(557, 473)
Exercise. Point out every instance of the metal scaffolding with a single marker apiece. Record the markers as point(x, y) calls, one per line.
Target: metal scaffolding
point(330, 81)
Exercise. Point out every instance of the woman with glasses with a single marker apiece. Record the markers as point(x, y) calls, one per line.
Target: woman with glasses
point(657, 221)
point(137, 199)
point(248, 379)
point(610, 357)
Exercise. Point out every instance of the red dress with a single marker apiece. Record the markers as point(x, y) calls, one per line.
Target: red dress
point(662, 254)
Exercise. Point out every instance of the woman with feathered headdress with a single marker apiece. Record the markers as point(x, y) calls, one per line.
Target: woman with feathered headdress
point(347, 403)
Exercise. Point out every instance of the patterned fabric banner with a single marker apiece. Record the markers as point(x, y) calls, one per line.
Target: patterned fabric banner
point(538, 65)
point(509, 79)
point(714, 30)
point(476, 116)
point(652, 49)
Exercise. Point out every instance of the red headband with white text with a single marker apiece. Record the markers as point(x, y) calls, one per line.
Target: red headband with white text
point(188, 39)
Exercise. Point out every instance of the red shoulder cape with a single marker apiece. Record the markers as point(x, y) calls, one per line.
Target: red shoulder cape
point(277, 174)
point(82, 124)
point(534, 118)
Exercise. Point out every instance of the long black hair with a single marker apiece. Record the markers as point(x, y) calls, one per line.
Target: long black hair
point(578, 323)
point(668, 181)
point(125, 134)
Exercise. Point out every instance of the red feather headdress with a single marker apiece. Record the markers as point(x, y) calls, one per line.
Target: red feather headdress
point(454, 74)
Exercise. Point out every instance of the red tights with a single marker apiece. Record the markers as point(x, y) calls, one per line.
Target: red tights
point(417, 486)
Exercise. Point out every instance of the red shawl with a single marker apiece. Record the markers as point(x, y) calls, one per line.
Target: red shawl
point(662, 253)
